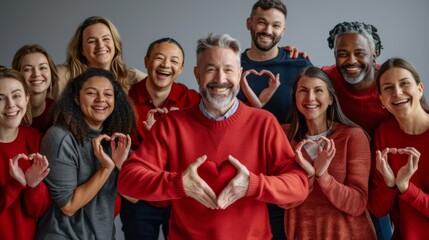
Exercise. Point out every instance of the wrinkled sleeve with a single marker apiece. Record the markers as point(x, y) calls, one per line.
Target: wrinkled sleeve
point(381, 199)
point(354, 190)
point(143, 175)
point(285, 182)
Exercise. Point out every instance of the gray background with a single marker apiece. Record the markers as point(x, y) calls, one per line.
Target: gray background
point(402, 26)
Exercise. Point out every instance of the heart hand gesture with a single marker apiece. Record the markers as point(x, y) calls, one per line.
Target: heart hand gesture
point(266, 94)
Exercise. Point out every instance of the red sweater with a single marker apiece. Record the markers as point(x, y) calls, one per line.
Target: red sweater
point(20, 206)
point(336, 205)
point(362, 107)
point(409, 211)
point(253, 136)
point(180, 97)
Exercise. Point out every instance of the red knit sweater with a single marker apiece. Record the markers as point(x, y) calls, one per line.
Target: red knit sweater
point(409, 211)
point(180, 96)
point(20, 206)
point(362, 107)
point(253, 136)
point(336, 205)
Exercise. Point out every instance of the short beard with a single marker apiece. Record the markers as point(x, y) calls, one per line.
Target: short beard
point(358, 79)
point(218, 102)
point(264, 48)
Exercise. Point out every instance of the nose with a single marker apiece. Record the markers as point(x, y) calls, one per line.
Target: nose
point(100, 98)
point(36, 72)
point(10, 103)
point(268, 29)
point(220, 76)
point(99, 42)
point(311, 96)
point(165, 63)
point(397, 91)
point(351, 59)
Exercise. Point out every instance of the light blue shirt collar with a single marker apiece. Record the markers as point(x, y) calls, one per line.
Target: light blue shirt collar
point(227, 114)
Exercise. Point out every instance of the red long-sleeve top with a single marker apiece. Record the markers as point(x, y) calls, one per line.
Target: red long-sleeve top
point(409, 211)
point(20, 206)
point(253, 136)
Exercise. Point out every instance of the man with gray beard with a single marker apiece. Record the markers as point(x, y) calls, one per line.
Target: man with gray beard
point(356, 46)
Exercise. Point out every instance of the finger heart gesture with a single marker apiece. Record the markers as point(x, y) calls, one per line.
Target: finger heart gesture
point(407, 171)
point(302, 162)
point(266, 94)
point(37, 171)
point(120, 145)
point(325, 155)
point(150, 116)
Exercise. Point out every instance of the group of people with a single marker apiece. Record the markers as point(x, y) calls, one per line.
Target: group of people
point(270, 147)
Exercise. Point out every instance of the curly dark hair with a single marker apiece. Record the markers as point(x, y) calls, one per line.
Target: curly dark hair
point(368, 30)
point(67, 113)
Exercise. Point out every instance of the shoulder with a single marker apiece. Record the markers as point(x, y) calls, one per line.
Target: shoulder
point(387, 125)
point(134, 75)
point(329, 69)
point(57, 134)
point(63, 72)
point(180, 88)
point(344, 130)
point(30, 133)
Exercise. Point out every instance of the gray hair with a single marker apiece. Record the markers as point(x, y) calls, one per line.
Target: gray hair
point(218, 40)
point(368, 30)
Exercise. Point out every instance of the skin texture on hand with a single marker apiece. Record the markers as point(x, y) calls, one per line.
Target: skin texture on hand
point(266, 94)
point(196, 188)
point(404, 174)
point(237, 187)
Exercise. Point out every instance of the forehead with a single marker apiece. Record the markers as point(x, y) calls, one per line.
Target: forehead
point(10, 84)
point(271, 14)
point(166, 48)
point(97, 28)
point(98, 82)
point(352, 41)
point(218, 56)
point(396, 74)
point(34, 56)
point(306, 81)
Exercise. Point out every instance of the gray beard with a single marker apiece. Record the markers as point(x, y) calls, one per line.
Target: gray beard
point(217, 103)
point(355, 80)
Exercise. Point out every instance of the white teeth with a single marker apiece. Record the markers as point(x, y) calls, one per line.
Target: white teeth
point(11, 114)
point(401, 101)
point(220, 89)
point(100, 108)
point(164, 72)
point(311, 106)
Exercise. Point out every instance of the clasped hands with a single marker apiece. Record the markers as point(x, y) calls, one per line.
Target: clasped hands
point(326, 153)
point(404, 174)
point(196, 188)
point(38, 170)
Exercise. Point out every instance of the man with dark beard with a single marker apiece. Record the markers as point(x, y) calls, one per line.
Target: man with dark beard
point(267, 24)
point(356, 46)
point(184, 149)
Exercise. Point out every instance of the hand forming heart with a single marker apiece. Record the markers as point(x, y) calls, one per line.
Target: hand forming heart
point(266, 94)
point(230, 184)
point(325, 154)
point(404, 174)
point(34, 174)
point(217, 176)
point(120, 145)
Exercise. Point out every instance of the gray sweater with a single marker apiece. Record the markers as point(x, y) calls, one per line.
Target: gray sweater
point(72, 165)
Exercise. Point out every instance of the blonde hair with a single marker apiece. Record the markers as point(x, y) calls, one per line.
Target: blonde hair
point(77, 62)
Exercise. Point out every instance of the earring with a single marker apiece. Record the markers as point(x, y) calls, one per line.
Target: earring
point(382, 106)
